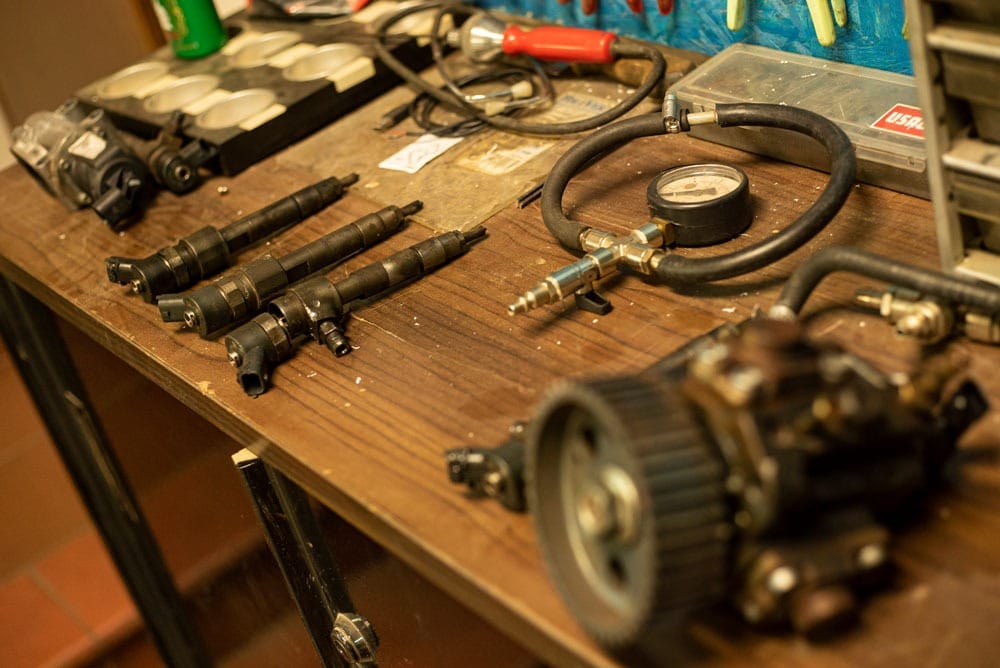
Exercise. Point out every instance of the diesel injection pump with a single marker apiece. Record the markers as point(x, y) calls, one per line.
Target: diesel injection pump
point(208, 251)
point(694, 205)
point(752, 466)
point(318, 308)
point(82, 160)
point(239, 295)
point(924, 305)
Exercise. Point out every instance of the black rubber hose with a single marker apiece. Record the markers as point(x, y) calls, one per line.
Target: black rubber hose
point(579, 156)
point(808, 225)
point(674, 268)
point(422, 106)
point(620, 50)
point(952, 289)
point(446, 98)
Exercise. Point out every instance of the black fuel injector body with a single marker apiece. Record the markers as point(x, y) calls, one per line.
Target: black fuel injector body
point(211, 249)
point(317, 308)
point(242, 293)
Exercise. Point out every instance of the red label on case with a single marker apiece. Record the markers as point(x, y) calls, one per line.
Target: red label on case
point(902, 119)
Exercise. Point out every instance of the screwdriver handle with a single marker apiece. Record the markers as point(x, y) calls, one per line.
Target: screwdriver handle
point(571, 45)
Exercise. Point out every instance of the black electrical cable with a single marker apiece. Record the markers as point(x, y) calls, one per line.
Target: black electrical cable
point(546, 94)
point(951, 289)
point(420, 111)
point(674, 268)
point(618, 48)
point(423, 105)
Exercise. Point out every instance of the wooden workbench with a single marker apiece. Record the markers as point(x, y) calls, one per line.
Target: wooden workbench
point(440, 364)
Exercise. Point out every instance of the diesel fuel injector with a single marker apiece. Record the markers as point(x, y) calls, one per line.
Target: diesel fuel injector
point(317, 308)
point(239, 295)
point(211, 249)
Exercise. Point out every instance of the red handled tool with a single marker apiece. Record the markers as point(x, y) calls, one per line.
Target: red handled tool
point(485, 38)
point(571, 45)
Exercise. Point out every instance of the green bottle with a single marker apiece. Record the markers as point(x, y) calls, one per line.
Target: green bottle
point(195, 28)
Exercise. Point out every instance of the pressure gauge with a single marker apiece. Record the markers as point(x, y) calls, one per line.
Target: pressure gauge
point(706, 203)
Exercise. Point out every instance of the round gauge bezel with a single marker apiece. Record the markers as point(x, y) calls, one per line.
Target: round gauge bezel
point(706, 222)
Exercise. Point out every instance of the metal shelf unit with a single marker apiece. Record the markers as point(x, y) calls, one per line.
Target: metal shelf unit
point(956, 61)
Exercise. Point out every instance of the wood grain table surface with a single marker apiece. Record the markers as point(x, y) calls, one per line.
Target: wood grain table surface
point(440, 364)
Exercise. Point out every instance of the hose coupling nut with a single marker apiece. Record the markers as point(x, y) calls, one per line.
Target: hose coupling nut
point(910, 314)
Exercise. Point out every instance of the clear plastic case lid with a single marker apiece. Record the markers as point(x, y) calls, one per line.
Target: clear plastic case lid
point(878, 110)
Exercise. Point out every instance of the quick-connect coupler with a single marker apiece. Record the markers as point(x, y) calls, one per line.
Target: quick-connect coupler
point(242, 293)
point(211, 249)
point(639, 250)
point(318, 308)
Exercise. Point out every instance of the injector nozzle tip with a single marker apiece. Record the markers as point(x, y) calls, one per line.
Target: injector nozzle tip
point(350, 179)
point(477, 232)
point(412, 207)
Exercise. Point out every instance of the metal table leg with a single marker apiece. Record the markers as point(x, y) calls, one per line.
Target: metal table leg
point(30, 332)
point(342, 638)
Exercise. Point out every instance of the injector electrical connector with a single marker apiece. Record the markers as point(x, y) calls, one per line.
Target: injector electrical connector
point(211, 249)
point(497, 473)
point(753, 466)
point(241, 294)
point(82, 160)
point(318, 308)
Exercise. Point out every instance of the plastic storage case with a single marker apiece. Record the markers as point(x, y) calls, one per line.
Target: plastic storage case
point(878, 111)
point(269, 86)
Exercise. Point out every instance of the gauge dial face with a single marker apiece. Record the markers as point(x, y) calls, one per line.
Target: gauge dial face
point(698, 183)
point(704, 204)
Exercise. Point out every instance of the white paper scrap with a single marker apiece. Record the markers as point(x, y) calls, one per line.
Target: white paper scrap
point(419, 153)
